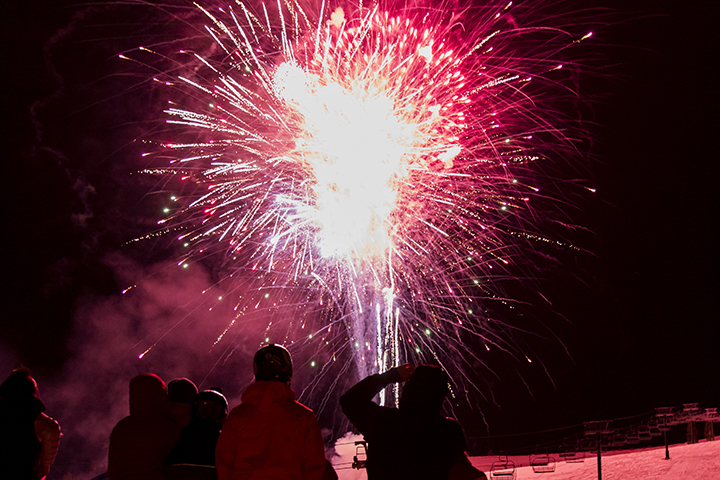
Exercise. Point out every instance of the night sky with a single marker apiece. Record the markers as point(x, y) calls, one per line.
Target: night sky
point(640, 309)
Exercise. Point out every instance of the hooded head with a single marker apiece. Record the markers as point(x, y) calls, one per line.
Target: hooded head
point(181, 390)
point(148, 394)
point(425, 390)
point(18, 386)
point(273, 362)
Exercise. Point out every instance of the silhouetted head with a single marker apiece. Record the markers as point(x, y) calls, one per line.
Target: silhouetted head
point(209, 405)
point(425, 390)
point(19, 385)
point(273, 362)
point(148, 394)
point(181, 390)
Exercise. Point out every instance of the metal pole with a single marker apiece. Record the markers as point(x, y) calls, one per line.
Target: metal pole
point(599, 449)
point(667, 450)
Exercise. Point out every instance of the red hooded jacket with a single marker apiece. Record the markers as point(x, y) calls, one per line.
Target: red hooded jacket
point(270, 436)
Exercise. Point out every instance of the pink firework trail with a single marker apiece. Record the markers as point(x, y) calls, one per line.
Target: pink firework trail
point(361, 171)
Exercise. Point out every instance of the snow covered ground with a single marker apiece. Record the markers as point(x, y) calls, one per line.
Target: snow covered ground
point(687, 462)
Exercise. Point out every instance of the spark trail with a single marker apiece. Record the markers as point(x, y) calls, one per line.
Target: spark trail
point(363, 174)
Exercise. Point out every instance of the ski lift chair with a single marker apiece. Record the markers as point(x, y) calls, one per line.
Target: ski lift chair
point(570, 454)
point(617, 440)
point(360, 458)
point(586, 445)
point(653, 426)
point(543, 464)
point(644, 433)
point(503, 469)
point(575, 457)
point(632, 437)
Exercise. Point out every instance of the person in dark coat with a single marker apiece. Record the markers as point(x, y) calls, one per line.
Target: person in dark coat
point(413, 441)
point(141, 442)
point(193, 458)
point(181, 393)
point(29, 439)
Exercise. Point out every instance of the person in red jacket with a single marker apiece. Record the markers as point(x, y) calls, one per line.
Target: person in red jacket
point(270, 435)
point(141, 442)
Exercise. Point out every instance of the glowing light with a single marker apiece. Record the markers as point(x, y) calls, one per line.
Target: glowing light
point(370, 166)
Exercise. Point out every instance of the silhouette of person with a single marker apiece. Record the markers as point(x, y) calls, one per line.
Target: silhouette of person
point(193, 458)
point(29, 439)
point(270, 435)
point(141, 442)
point(413, 441)
point(181, 393)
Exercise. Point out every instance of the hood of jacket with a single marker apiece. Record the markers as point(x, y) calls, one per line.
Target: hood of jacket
point(266, 395)
point(148, 394)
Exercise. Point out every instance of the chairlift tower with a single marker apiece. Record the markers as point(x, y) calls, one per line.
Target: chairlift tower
point(598, 429)
point(664, 413)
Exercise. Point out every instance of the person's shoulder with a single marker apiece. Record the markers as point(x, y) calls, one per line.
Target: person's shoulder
point(301, 410)
point(46, 422)
point(121, 426)
point(451, 422)
point(124, 420)
point(300, 407)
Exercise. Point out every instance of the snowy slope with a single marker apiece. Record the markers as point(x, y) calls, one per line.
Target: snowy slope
point(687, 462)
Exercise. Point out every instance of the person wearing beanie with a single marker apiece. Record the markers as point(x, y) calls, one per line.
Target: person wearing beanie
point(413, 441)
point(29, 439)
point(193, 458)
point(181, 392)
point(141, 442)
point(270, 435)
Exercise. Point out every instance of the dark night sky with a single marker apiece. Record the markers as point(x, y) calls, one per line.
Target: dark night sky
point(643, 328)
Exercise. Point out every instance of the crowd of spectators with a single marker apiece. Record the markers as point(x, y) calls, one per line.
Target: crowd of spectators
point(174, 432)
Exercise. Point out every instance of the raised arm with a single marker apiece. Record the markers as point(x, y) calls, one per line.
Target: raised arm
point(357, 402)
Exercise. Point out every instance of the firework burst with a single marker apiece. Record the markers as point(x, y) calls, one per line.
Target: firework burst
point(363, 173)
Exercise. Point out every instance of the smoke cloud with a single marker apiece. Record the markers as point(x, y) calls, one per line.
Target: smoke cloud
point(163, 314)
